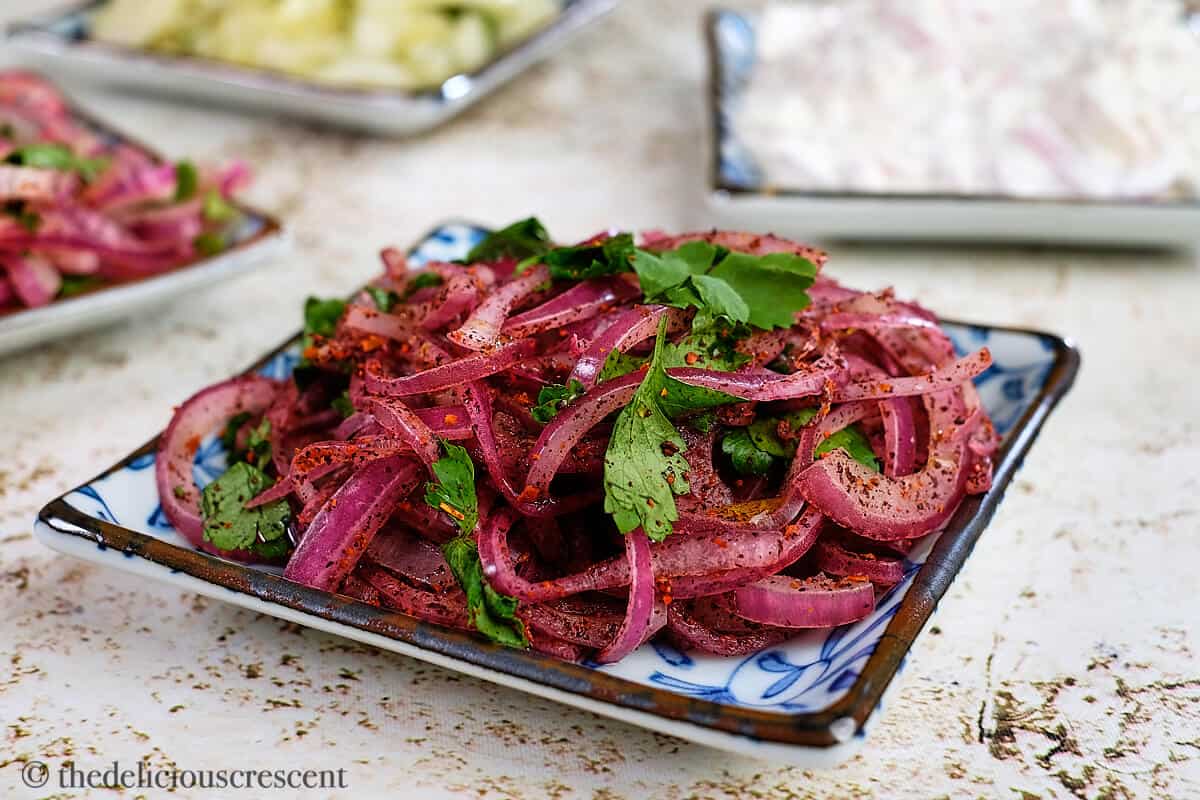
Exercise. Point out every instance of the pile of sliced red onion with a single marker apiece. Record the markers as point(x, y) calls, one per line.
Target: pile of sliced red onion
point(63, 232)
point(752, 560)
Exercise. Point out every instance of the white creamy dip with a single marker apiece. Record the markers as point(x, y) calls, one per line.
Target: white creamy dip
point(1035, 98)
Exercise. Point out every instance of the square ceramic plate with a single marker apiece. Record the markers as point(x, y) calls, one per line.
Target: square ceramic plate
point(739, 197)
point(804, 702)
point(257, 237)
point(61, 43)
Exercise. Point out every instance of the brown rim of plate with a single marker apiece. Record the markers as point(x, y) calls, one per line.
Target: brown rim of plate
point(813, 729)
point(271, 226)
point(719, 132)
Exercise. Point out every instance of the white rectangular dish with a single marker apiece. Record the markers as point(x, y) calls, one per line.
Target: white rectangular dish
point(739, 198)
point(61, 44)
point(256, 237)
point(807, 701)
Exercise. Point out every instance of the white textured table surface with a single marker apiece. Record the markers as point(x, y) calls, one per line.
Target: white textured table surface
point(1063, 662)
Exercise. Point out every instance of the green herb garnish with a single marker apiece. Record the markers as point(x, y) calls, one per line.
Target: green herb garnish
point(554, 398)
point(209, 243)
point(746, 457)
point(57, 156)
point(217, 208)
point(493, 614)
point(522, 239)
point(384, 299)
point(342, 404)
point(229, 525)
point(78, 284)
point(187, 179)
point(644, 466)
point(753, 450)
point(608, 257)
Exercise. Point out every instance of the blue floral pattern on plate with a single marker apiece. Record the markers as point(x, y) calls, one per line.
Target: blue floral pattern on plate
point(805, 674)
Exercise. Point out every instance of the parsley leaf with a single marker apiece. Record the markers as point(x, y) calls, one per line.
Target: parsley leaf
point(187, 179)
point(772, 286)
point(617, 364)
point(746, 456)
point(854, 442)
point(258, 440)
point(258, 444)
point(26, 217)
point(608, 257)
point(454, 491)
point(209, 244)
point(78, 284)
point(644, 467)
point(342, 404)
point(229, 436)
point(527, 237)
point(493, 614)
point(57, 156)
point(384, 299)
point(217, 208)
point(763, 436)
point(555, 397)
point(320, 319)
point(229, 525)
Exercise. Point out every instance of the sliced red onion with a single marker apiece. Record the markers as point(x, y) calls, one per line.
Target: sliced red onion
point(691, 634)
point(880, 507)
point(835, 559)
point(441, 608)
point(402, 422)
point(582, 301)
point(29, 183)
point(631, 327)
point(482, 328)
point(33, 279)
point(445, 376)
point(458, 294)
point(639, 614)
point(566, 430)
point(962, 370)
point(412, 557)
point(759, 385)
point(343, 528)
point(200, 415)
point(819, 602)
point(900, 436)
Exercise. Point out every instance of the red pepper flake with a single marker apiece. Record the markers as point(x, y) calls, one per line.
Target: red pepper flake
point(192, 444)
point(650, 502)
point(450, 419)
point(529, 494)
point(721, 543)
point(451, 510)
point(691, 358)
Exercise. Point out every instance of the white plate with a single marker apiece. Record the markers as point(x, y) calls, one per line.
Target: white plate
point(808, 701)
point(738, 199)
point(60, 43)
point(257, 237)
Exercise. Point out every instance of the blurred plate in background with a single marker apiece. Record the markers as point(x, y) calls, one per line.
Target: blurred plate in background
point(740, 198)
point(61, 44)
point(256, 237)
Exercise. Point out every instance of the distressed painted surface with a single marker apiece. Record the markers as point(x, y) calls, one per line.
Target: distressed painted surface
point(1063, 660)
